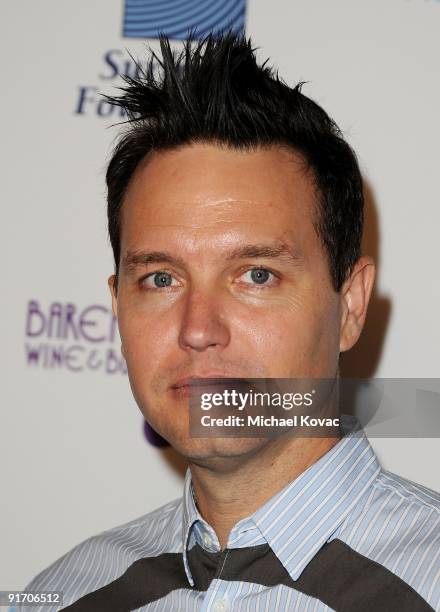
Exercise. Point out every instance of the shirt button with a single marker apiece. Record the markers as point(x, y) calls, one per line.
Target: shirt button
point(221, 605)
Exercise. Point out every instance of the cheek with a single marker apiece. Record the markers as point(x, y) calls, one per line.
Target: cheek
point(294, 338)
point(145, 340)
point(269, 336)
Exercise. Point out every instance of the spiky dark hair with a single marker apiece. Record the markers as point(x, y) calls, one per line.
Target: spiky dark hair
point(214, 90)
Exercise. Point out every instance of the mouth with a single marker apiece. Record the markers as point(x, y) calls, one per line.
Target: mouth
point(184, 386)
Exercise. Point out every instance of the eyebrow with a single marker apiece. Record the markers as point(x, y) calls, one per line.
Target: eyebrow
point(133, 259)
point(278, 250)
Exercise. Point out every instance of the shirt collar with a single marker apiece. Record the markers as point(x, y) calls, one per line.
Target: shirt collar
point(190, 516)
point(298, 520)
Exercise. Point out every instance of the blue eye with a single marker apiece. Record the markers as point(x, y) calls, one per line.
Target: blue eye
point(162, 279)
point(258, 276)
point(158, 280)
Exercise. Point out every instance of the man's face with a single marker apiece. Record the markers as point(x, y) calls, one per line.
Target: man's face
point(221, 274)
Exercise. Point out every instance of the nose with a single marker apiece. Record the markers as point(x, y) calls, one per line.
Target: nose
point(203, 324)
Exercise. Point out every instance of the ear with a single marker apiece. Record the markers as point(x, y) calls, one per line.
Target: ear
point(113, 286)
point(355, 295)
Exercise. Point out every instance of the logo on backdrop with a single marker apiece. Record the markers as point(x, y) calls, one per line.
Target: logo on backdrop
point(145, 19)
point(65, 336)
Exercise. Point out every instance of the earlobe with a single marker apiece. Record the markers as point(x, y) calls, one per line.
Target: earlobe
point(355, 296)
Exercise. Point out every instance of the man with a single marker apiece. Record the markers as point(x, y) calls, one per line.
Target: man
point(235, 214)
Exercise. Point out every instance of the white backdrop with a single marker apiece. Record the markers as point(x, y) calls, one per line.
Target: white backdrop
point(74, 460)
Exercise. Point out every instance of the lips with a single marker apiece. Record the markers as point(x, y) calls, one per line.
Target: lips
point(201, 381)
point(194, 384)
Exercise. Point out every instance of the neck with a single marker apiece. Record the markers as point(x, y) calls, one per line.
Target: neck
point(228, 492)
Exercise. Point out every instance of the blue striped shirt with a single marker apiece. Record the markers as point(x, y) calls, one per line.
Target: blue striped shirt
point(342, 533)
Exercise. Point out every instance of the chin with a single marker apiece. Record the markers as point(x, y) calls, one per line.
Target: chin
point(212, 451)
point(175, 430)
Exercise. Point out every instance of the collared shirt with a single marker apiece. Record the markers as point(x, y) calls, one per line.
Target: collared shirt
point(344, 535)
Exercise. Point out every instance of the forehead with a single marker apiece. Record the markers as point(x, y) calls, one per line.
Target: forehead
point(202, 194)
